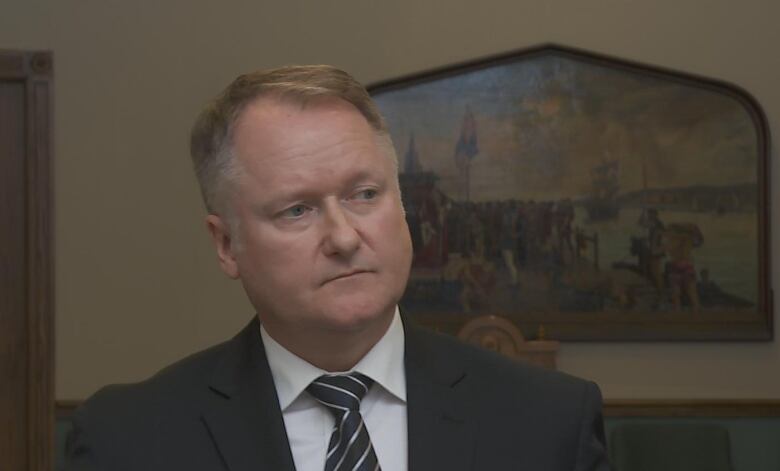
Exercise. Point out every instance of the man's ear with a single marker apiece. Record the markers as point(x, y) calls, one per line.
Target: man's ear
point(220, 236)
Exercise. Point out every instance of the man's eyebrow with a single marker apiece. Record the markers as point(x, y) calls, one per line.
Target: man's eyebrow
point(370, 173)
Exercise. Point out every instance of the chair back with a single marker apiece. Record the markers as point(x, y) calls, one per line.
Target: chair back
point(670, 447)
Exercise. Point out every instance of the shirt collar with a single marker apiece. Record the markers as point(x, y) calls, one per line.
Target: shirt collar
point(384, 363)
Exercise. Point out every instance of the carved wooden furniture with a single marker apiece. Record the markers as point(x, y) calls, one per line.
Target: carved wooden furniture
point(500, 335)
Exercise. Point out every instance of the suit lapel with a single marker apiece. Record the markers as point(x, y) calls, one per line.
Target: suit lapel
point(439, 435)
point(242, 412)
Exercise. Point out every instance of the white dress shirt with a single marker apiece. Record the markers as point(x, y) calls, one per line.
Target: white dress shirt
point(309, 424)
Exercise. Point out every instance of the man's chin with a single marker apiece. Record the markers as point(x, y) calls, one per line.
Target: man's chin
point(351, 320)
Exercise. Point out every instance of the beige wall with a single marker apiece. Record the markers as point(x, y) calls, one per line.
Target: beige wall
point(137, 284)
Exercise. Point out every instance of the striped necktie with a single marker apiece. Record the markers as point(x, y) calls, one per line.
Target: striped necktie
point(350, 447)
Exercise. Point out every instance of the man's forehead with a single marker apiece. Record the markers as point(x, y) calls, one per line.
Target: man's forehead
point(288, 105)
point(278, 126)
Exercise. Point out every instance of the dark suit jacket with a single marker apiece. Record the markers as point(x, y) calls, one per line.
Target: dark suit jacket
point(468, 409)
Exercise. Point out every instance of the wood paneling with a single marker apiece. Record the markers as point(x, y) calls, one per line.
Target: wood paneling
point(633, 408)
point(13, 277)
point(692, 408)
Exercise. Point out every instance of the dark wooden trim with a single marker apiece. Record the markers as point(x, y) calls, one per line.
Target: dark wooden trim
point(34, 70)
point(12, 65)
point(692, 408)
point(25, 65)
point(631, 408)
point(40, 256)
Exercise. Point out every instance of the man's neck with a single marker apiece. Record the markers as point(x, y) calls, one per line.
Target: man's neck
point(330, 350)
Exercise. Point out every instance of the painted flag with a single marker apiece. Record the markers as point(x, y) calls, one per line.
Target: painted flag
point(412, 159)
point(466, 149)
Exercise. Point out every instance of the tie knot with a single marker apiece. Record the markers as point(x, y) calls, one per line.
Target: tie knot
point(340, 392)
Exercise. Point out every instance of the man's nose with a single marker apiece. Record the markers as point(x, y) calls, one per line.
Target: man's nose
point(341, 236)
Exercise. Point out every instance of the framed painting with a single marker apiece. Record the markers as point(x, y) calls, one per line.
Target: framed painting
point(591, 197)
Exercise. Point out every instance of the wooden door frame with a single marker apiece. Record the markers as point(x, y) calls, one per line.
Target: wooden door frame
point(34, 69)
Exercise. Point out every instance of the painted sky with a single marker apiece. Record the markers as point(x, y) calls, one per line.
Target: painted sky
point(544, 122)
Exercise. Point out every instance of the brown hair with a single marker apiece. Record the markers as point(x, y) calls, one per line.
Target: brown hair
point(211, 136)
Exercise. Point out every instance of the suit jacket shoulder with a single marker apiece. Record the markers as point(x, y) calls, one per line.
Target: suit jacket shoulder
point(508, 415)
point(114, 409)
point(212, 410)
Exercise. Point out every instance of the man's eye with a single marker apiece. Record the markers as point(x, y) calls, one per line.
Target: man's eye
point(367, 194)
point(295, 211)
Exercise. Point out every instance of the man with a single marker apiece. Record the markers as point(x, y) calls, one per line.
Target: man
point(300, 180)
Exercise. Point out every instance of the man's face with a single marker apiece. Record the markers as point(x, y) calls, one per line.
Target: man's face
point(323, 244)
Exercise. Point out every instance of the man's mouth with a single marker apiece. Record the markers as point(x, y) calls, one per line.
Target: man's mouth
point(344, 275)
